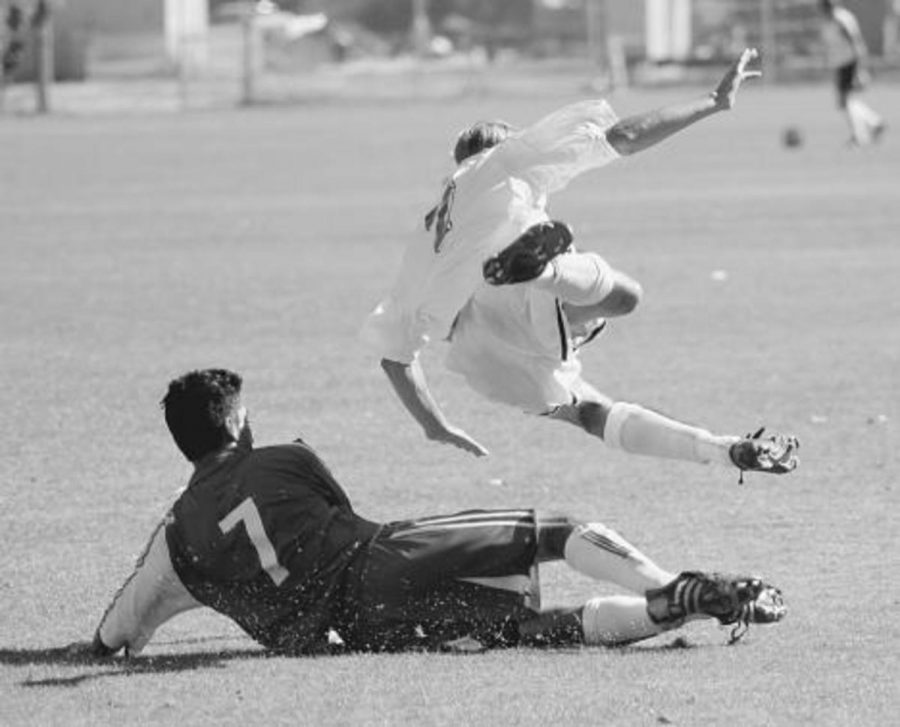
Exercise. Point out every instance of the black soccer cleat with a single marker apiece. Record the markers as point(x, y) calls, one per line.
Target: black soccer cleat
point(740, 601)
point(775, 454)
point(527, 256)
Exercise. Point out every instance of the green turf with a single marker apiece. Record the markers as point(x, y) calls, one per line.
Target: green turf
point(134, 248)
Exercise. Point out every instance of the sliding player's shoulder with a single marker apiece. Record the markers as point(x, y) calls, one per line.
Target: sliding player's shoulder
point(297, 458)
point(296, 452)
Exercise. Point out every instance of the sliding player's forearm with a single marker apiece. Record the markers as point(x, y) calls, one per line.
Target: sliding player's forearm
point(151, 596)
point(640, 132)
point(408, 381)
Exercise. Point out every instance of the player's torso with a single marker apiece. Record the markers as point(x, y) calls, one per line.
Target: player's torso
point(263, 534)
point(839, 49)
point(482, 209)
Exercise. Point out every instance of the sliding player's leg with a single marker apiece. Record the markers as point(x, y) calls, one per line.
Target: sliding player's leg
point(432, 581)
point(472, 576)
point(598, 552)
point(665, 600)
point(427, 582)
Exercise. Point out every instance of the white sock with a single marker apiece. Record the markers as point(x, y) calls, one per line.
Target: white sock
point(868, 114)
point(616, 620)
point(858, 126)
point(637, 430)
point(580, 278)
point(602, 554)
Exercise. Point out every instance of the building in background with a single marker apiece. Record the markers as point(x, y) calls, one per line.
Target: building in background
point(668, 30)
point(161, 37)
point(158, 34)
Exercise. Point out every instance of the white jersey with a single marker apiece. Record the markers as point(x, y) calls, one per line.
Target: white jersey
point(491, 199)
point(839, 49)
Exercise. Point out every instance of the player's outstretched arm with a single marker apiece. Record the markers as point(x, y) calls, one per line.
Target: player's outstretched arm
point(150, 596)
point(640, 132)
point(409, 382)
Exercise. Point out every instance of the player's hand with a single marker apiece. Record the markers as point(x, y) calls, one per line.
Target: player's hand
point(725, 94)
point(458, 438)
point(79, 651)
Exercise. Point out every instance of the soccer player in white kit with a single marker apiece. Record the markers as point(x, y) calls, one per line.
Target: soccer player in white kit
point(516, 344)
point(846, 53)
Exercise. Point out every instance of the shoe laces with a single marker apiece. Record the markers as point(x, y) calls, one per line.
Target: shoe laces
point(757, 611)
point(742, 624)
point(769, 452)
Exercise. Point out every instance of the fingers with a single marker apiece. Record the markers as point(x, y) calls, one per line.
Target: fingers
point(749, 54)
point(477, 449)
point(472, 447)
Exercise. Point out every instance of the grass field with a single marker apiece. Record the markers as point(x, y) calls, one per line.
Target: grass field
point(134, 248)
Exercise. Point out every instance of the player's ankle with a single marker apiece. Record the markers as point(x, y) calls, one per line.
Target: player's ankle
point(716, 449)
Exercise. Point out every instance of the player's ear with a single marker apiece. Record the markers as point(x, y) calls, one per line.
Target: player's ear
point(234, 423)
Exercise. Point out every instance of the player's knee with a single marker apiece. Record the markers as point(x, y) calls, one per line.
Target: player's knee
point(631, 299)
point(626, 295)
point(553, 530)
point(592, 416)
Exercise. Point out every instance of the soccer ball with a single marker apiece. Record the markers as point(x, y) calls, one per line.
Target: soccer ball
point(792, 137)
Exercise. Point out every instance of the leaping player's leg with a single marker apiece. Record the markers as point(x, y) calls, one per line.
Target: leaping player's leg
point(638, 430)
point(589, 287)
point(543, 256)
point(526, 257)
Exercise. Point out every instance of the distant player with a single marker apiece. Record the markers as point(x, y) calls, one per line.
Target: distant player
point(12, 41)
point(269, 539)
point(847, 55)
point(514, 317)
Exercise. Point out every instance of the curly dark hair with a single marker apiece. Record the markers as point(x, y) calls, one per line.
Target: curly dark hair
point(478, 137)
point(197, 405)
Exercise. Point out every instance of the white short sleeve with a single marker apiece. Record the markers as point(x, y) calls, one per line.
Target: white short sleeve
point(559, 147)
point(151, 596)
point(392, 333)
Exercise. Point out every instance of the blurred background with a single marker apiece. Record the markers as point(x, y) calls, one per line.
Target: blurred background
point(84, 54)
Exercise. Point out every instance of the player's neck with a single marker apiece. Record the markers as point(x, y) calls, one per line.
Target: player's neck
point(212, 460)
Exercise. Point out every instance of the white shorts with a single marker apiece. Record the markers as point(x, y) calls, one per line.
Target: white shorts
point(512, 345)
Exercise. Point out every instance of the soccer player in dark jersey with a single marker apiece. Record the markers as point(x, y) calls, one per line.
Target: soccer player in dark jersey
point(268, 538)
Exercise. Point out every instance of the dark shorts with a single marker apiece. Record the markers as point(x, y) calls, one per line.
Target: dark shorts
point(422, 583)
point(847, 79)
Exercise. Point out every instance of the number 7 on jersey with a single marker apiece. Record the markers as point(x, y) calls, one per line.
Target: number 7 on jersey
point(248, 514)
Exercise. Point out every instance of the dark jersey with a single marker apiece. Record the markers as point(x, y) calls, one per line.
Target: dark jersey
point(265, 537)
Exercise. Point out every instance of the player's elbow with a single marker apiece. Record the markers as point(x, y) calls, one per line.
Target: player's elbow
point(623, 138)
point(389, 365)
point(397, 372)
